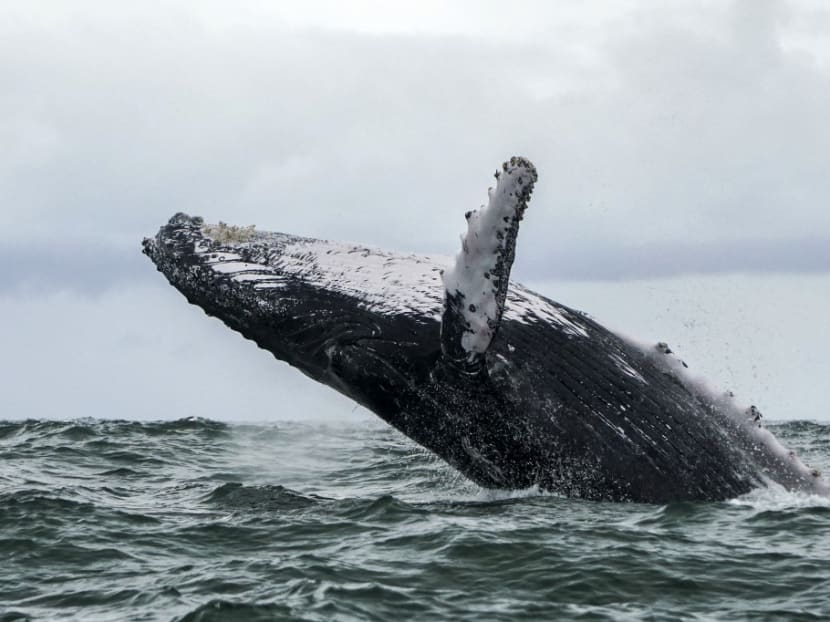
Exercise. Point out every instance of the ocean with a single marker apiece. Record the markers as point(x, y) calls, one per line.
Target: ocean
point(194, 519)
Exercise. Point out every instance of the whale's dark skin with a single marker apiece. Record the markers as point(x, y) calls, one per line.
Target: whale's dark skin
point(564, 405)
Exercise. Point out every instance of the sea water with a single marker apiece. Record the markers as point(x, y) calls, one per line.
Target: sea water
point(194, 519)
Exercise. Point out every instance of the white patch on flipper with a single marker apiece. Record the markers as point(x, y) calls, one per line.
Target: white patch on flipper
point(482, 248)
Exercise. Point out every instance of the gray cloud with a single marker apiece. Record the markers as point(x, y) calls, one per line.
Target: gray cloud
point(700, 126)
point(35, 269)
point(95, 269)
point(661, 260)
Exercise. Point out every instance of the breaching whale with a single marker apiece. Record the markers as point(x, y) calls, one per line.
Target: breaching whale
point(510, 388)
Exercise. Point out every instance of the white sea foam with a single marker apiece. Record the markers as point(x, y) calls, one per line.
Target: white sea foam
point(777, 498)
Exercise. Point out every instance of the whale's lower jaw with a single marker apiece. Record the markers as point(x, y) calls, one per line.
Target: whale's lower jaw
point(512, 389)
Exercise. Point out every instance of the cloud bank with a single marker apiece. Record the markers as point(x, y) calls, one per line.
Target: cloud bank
point(703, 125)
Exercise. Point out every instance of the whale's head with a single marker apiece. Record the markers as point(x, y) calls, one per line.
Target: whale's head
point(363, 321)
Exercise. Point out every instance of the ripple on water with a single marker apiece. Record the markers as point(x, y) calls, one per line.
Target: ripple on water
point(234, 495)
point(197, 520)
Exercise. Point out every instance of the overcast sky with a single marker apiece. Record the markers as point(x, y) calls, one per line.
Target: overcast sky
point(673, 140)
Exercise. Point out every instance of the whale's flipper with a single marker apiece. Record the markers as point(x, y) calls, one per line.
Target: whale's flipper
point(476, 286)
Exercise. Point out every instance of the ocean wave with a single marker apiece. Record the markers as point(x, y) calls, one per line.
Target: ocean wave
point(221, 611)
point(268, 498)
point(199, 520)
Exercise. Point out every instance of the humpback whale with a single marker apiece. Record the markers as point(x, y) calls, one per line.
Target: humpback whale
point(510, 388)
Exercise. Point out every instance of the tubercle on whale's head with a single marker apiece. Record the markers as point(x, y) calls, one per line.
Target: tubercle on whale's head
point(172, 239)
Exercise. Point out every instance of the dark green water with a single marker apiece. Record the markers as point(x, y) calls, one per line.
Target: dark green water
point(198, 520)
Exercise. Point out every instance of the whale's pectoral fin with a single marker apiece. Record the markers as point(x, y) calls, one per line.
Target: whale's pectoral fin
point(476, 286)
